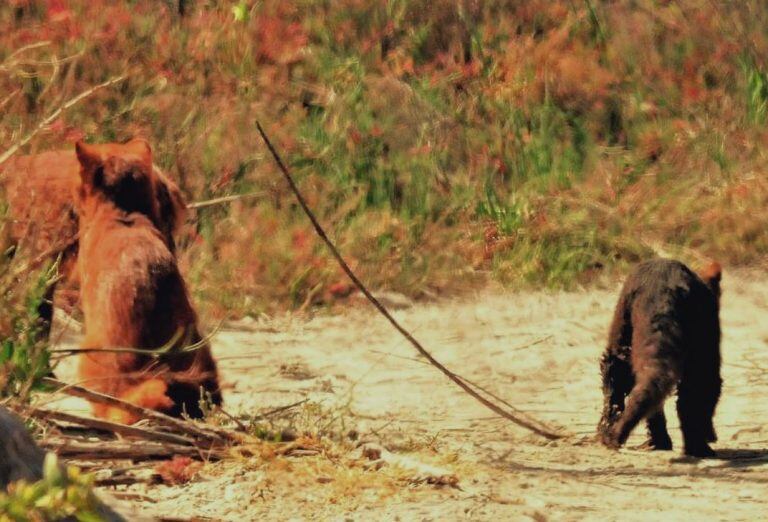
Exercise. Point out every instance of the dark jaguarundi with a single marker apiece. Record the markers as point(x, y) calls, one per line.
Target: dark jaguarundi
point(665, 332)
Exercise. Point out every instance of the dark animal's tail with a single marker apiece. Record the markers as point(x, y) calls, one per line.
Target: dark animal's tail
point(652, 385)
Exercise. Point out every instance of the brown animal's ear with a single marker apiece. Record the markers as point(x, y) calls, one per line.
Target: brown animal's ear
point(141, 148)
point(173, 208)
point(89, 159)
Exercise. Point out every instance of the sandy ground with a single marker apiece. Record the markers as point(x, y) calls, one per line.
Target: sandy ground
point(538, 350)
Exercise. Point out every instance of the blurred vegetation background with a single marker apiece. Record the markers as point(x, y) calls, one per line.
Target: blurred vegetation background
point(444, 144)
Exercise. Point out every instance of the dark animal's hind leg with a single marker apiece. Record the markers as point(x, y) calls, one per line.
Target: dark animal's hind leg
point(658, 437)
point(618, 381)
point(45, 319)
point(616, 369)
point(696, 403)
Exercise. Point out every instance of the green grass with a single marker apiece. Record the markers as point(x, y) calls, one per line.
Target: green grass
point(24, 356)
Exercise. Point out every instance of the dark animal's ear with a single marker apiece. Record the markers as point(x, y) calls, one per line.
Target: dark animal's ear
point(141, 148)
point(90, 161)
point(712, 275)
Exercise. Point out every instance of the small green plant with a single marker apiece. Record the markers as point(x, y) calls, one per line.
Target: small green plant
point(757, 91)
point(60, 493)
point(24, 355)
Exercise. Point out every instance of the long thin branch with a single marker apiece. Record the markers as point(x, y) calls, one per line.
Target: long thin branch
point(55, 114)
point(212, 435)
point(377, 304)
point(118, 450)
point(121, 429)
point(21, 50)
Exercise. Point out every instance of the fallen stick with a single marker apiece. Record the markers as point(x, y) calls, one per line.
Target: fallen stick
point(213, 435)
point(551, 435)
point(121, 429)
point(120, 450)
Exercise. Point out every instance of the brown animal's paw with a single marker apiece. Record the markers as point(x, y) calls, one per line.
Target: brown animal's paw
point(149, 394)
point(119, 415)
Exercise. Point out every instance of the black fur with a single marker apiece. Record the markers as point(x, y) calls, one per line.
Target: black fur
point(665, 333)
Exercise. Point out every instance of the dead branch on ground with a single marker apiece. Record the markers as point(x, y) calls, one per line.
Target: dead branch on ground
point(120, 449)
point(208, 434)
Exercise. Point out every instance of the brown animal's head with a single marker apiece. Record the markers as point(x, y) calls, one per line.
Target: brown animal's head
point(121, 174)
point(712, 275)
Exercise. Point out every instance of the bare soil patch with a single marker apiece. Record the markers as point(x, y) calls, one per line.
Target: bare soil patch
point(539, 350)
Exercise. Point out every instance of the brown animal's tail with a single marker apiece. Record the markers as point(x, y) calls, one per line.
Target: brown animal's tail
point(148, 394)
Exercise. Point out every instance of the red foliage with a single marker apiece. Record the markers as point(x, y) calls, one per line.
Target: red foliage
point(278, 41)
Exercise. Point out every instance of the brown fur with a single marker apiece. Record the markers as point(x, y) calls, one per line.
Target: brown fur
point(132, 293)
point(665, 334)
point(41, 191)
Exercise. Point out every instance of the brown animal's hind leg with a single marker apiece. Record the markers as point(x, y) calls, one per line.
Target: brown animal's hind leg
point(658, 437)
point(45, 312)
point(187, 398)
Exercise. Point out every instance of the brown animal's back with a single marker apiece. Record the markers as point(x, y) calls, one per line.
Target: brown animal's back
point(125, 262)
point(134, 297)
point(41, 193)
point(41, 190)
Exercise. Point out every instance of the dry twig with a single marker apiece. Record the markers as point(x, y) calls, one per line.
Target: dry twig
point(121, 429)
point(224, 199)
point(119, 450)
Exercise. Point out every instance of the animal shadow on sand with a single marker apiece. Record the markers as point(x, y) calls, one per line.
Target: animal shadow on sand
point(741, 458)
